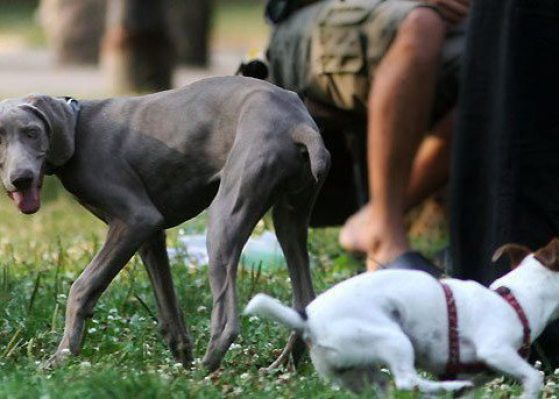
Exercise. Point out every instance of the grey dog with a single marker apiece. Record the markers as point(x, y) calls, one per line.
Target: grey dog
point(145, 164)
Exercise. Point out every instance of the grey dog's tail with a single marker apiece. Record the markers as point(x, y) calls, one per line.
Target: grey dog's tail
point(270, 308)
point(319, 156)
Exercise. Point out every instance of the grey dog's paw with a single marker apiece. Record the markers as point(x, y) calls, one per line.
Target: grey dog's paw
point(58, 359)
point(212, 358)
point(182, 352)
point(211, 362)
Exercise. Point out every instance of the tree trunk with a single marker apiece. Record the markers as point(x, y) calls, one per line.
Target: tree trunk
point(74, 29)
point(137, 54)
point(190, 25)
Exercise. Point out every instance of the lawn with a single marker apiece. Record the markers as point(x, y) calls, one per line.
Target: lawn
point(124, 355)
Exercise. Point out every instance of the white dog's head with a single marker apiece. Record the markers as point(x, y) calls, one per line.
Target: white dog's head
point(547, 256)
point(539, 270)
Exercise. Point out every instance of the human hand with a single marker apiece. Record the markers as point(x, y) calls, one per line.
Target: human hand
point(454, 11)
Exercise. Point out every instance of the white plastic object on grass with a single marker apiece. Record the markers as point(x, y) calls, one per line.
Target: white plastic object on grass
point(263, 249)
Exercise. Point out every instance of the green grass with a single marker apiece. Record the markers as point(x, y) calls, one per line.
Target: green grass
point(123, 355)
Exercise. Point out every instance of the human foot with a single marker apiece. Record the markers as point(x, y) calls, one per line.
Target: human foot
point(353, 234)
point(384, 245)
point(413, 260)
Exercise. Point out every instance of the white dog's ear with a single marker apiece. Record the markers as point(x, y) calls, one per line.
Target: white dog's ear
point(61, 121)
point(515, 252)
point(549, 255)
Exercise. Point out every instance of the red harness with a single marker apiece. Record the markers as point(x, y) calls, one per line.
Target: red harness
point(454, 366)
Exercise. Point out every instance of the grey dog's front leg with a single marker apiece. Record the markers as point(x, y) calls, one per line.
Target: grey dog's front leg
point(122, 242)
point(154, 256)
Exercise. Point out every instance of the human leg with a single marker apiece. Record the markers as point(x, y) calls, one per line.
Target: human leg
point(430, 171)
point(399, 111)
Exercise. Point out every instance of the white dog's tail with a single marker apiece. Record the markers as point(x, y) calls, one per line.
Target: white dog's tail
point(270, 308)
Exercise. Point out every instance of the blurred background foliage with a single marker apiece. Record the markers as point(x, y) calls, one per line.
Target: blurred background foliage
point(137, 44)
point(60, 47)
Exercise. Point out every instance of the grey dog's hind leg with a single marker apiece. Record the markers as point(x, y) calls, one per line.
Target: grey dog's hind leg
point(291, 220)
point(171, 321)
point(244, 195)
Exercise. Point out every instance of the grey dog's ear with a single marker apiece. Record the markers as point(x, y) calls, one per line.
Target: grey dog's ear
point(515, 252)
point(61, 122)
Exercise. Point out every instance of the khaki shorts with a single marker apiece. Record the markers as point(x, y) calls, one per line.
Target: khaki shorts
point(330, 51)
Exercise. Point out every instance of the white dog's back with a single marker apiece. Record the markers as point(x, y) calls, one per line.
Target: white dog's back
point(357, 309)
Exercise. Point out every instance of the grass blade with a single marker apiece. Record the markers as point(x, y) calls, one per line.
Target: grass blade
point(53, 319)
point(146, 307)
point(34, 293)
point(11, 345)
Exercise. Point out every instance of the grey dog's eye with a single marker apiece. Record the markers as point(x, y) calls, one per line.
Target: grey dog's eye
point(31, 132)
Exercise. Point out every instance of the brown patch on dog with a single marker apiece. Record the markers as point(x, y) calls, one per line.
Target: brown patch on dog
point(515, 252)
point(549, 255)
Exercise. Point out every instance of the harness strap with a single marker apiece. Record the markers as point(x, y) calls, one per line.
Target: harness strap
point(508, 296)
point(453, 365)
point(73, 103)
point(453, 338)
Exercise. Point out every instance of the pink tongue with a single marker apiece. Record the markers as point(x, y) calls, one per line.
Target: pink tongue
point(28, 201)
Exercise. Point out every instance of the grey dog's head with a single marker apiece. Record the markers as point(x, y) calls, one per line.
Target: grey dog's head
point(36, 132)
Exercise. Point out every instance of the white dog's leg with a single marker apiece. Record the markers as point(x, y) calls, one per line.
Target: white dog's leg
point(508, 361)
point(410, 380)
point(477, 380)
point(363, 379)
point(397, 351)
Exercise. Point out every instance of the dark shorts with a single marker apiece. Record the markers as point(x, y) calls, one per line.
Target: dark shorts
point(329, 51)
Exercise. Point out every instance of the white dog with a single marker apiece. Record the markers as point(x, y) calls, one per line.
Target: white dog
point(399, 318)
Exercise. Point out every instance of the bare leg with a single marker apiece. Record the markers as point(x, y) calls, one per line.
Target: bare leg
point(399, 109)
point(430, 171)
point(431, 166)
point(171, 321)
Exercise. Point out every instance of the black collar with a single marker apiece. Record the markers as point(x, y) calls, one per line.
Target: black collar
point(73, 103)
